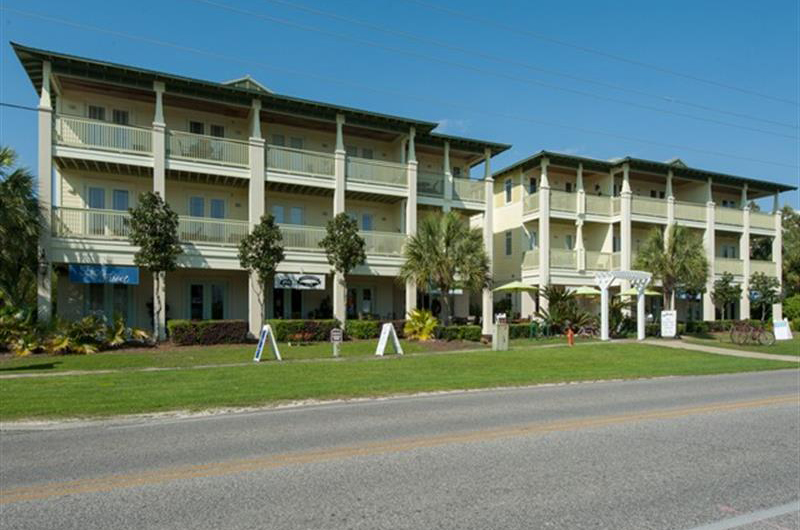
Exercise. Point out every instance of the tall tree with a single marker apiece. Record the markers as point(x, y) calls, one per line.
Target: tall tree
point(726, 292)
point(679, 263)
point(344, 247)
point(764, 291)
point(260, 252)
point(154, 229)
point(446, 253)
point(20, 225)
point(791, 251)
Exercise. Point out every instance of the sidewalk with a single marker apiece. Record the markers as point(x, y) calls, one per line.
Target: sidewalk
point(679, 344)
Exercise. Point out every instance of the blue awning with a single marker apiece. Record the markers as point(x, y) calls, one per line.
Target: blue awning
point(103, 274)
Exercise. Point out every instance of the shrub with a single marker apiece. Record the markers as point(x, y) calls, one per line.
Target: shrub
point(519, 331)
point(303, 330)
point(187, 332)
point(421, 326)
point(791, 308)
point(468, 333)
point(362, 329)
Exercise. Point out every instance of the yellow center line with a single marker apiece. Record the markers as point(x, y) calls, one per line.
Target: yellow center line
point(218, 469)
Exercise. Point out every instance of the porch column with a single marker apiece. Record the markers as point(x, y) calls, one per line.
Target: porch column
point(708, 239)
point(670, 206)
point(448, 178)
point(544, 232)
point(626, 247)
point(159, 143)
point(744, 254)
point(411, 214)
point(44, 291)
point(487, 306)
point(777, 255)
point(255, 210)
point(580, 251)
point(339, 291)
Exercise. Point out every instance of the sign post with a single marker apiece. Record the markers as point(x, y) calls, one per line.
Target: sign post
point(266, 333)
point(668, 324)
point(336, 339)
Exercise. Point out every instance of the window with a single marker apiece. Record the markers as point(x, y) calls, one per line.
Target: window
point(96, 297)
point(206, 301)
point(508, 185)
point(119, 301)
point(296, 215)
point(96, 220)
point(366, 221)
point(351, 150)
point(218, 131)
point(277, 213)
point(97, 113)
point(661, 194)
point(196, 302)
point(615, 244)
point(217, 303)
point(279, 140)
point(729, 251)
point(532, 183)
point(653, 194)
point(456, 171)
point(217, 207)
point(119, 200)
point(197, 206)
point(568, 187)
point(197, 127)
point(120, 117)
point(366, 301)
point(532, 240)
point(569, 242)
point(366, 153)
point(295, 142)
point(509, 243)
point(97, 198)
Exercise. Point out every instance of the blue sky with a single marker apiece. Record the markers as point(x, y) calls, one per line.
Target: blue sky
point(498, 75)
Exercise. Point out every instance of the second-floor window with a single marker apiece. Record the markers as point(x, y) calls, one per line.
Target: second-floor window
point(615, 244)
point(120, 117)
point(218, 131)
point(295, 142)
point(532, 241)
point(279, 140)
point(277, 213)
point(569, 242)
point(568, 187)
point(728, 203)
point(296, 215)
point(197, 206)
point(217, 208)
point(508, 186)
point(197, 127)
point(97, 113)
point(532, 183)
point(456, 171)
point(509, 243)
point(366, 153)
point(366, 222)
point(729, 251)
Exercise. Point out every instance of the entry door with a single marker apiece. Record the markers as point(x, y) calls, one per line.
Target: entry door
point(207, 300)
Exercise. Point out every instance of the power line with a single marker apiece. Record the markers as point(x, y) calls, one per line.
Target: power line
point(529, 66)
point(16, 106)
point(485, 71)
point(486, 21)
point(406, 95)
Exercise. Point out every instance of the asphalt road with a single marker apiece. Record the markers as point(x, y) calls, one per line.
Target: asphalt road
point(711, 452)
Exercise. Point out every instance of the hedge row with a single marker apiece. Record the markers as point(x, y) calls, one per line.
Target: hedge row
point(187, 332)
point(371, 329)
point(303, 330)
point(470, 333)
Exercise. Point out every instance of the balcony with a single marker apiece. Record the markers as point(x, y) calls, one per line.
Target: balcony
point(376, 172)
point(300, 162)
point(563, 201)
point(307, 238)
point(198, 147)
point(762, 220)
point(466, 189)
point(598, 205)
point(729, 216)
point(95, 134)
point(733, 266)
point(767, 267)
point(531, 203)
point(649, 207)
point(212, 231)
point(531, 259)
point(383, 243)
point(599, 261)
point(430, 184)
point(688, 211)
point(561, 258)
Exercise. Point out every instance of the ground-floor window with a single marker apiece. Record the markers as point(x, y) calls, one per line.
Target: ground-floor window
point(109, 300)
point(208, 300)
point(359, 301)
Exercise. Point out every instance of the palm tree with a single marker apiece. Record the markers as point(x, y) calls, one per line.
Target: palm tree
point(679, 261)
point(20, 224)
point(446, 253)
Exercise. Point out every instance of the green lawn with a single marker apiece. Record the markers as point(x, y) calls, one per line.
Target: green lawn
point(723, 340)
point(271, 382)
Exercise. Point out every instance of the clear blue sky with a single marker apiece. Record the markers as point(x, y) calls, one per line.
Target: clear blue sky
point(752, 46)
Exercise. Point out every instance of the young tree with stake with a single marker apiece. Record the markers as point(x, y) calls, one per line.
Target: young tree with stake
point(260, 252)
point(344, 248)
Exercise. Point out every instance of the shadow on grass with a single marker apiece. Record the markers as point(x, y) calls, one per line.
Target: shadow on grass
point(41, 366)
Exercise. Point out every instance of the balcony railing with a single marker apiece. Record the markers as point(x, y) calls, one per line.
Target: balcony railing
point(733, 266)
point(562, 258)
point(96, 134)
point(383, 243)
point(616, 261)
point(767, 267)
point(615, 206)
point(86, 223)
point(531, 203)
point(430, 184)
point(598, 261)
point(562, 201)
point(302, 236)
point(213, 231)
point(762, 220)
point(689, 211)
point(649, 207)
point(300, 162)
point(469, 189)
point(531, 259)
point(208, 148)
point(598, 205)
point(728, 216)
point(376, 172)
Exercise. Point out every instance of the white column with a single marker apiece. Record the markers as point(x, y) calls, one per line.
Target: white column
point(159, 143)
point(626, 244)
point(411, 213)
point(580, 251)
point(744, 254)
point(256, 206)
point(777, 256)
point(670, 206)
point(640, 318)
point(544, 231)
point(487, 306)
point(44, 291)
point(339, 289)
point(448, 178)
point(708, 239)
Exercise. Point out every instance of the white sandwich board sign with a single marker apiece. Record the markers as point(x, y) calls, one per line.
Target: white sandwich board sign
point(668, 323)
point(386, 331)
point(782, 330)
point(266, 334)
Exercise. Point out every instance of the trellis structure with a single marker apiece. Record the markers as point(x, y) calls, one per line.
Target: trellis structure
point(639, 280)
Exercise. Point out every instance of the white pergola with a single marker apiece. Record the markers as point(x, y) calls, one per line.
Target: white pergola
point(639, 281)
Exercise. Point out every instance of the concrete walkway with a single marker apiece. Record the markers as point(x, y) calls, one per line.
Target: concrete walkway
point(681, 345)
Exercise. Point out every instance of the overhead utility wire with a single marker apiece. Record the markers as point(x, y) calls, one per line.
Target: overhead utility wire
point(643, 64)
point(529, 66)
point(406, 95)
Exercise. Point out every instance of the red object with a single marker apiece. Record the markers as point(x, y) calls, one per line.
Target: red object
point(570, 337)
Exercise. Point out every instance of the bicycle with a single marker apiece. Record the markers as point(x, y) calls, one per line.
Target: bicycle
point(744, 332)
point(588, 331)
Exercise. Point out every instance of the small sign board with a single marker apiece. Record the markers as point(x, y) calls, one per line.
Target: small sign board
point(266, 335)
point(303, 282)
point(388, 331)
point(782, 330)
point(500, 337)
point(337, 335)
point(669, 323)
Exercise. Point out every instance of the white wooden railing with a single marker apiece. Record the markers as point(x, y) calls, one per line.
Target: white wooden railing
point(728, 216)
point(302, 236)
point(531, 203)
point(469, 189)
point(598, 205)
point(598, 261)
point(649, 206)
point(213, 231)
point(376, 172)
point(430, 184)
point(767, 267)
point(531, 259)
point(616, 260)
point(562, 258)
point(90, 223)
point(762, 220)
point(300, 161)
point(562, 201)
point(734, 266)
point(615, 206)
point(96, 134)
point(208, 148)
point(384, 243)
point(690, 211)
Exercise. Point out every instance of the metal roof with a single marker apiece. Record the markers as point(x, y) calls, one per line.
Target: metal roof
point(678, 167)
